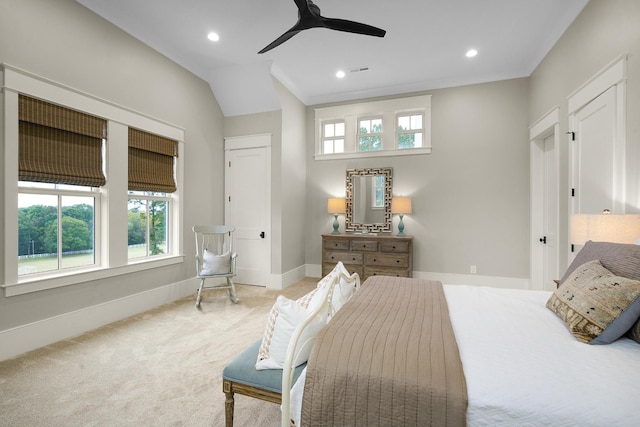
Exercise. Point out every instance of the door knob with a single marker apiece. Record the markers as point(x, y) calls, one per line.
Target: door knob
point(543, 239)
point(262, 234)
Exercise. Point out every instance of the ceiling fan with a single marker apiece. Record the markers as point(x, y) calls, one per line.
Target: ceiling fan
point(309, 17)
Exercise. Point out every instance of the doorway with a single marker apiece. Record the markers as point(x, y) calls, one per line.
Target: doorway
point(544, 138)
point(248, 205)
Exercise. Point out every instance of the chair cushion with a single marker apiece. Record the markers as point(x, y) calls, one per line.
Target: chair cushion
point(215, 264)
point(243, 370)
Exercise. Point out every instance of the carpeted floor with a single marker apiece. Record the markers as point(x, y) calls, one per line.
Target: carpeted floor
point(159, 368)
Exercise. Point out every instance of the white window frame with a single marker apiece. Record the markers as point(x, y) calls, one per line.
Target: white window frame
point(67, 191)
point(333, 138)
point(370, 134)
point(388, 110)
point(112, 230)
point(399, 133)
point(165, 197)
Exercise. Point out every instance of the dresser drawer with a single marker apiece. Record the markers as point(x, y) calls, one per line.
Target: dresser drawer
point(364, 246)
point(336, 245)
point(394, 247)
point(345, 257)
point(381, 271)
point(384, 260)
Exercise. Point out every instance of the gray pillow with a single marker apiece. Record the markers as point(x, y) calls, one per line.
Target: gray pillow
point(634, 332)
point(621, 259)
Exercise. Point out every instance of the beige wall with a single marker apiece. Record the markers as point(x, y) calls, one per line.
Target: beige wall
point(63, 41)
point(605, 30)
point(470, 195)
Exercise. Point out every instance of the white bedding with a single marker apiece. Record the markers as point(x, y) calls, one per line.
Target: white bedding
point(523, 367)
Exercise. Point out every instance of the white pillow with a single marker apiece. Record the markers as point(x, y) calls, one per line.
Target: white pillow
point(285, 316)
point(215, 264)
point(343, 291)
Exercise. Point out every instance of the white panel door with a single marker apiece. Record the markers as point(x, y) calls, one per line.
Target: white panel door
point(550, 215)
point(594, 151)
point(247, 208)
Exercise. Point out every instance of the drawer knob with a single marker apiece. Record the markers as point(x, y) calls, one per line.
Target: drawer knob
point(393, 247)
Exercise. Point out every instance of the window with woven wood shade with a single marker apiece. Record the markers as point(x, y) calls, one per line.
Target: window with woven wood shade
point(151, 162)
point(59, 145)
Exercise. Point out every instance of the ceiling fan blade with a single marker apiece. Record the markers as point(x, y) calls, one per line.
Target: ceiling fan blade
point(283, 38)
point(352, 27)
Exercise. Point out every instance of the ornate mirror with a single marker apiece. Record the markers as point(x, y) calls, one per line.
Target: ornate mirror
point(368, 199)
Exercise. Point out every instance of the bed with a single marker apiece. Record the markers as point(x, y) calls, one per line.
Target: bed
point(525, 361)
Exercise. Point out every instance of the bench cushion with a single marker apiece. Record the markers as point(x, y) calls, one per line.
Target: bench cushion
point(243, 370)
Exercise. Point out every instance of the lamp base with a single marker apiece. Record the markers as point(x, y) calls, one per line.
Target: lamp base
point(336, 224)
point(400, 228)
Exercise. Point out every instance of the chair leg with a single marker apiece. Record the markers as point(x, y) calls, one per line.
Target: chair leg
point(232, 291)
point(228, 405)
point(199, 296)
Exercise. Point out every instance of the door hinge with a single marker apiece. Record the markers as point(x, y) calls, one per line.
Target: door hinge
point(229, 198)
point(573, 192)
point(573, 135)
point(229, 163)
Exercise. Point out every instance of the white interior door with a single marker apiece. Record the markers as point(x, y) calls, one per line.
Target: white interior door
point(247, 187)
point(550, 214)
point(594, 156)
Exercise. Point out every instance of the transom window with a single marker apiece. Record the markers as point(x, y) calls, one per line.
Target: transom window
point(410, 130)
point(333, 137)
point(370, 134)
point(388, 127)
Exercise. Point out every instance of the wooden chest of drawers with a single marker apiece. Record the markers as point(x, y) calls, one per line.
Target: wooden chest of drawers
point(368, 255)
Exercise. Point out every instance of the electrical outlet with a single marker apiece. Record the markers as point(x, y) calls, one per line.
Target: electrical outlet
point(473, 269)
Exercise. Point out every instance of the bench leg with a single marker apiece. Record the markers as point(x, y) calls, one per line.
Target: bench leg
point(228, 403)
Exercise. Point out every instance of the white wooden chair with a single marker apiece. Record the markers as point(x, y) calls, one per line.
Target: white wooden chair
point(215, 258)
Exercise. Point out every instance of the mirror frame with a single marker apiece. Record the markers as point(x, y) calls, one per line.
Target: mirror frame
point(388, 192)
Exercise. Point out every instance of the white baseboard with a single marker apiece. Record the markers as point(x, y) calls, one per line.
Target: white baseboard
point(315, 270)
point(475, 280)
point(24, 338)
point(281, 281)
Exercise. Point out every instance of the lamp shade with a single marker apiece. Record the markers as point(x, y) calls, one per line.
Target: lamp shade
point(336, 206)
point(613, 228)
point(401, 205)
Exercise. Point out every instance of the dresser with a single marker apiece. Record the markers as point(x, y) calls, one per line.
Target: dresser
point(368, 255)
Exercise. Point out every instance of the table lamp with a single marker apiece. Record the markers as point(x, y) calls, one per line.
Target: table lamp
point(401, 206)
point(336, 206)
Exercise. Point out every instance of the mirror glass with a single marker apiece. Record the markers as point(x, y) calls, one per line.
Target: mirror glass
point(368, 199)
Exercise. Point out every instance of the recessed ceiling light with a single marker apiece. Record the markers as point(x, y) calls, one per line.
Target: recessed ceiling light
point(471, 53)
point(340, 74)
point(214, 37)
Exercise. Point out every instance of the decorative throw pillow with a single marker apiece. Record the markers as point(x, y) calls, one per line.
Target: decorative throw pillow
point(344, 289)
point(284, 318)
point(622, 259)
point(597, 306)
point(215, 264)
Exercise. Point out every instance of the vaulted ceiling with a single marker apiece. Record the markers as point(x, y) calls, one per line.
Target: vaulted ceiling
point(424, 46)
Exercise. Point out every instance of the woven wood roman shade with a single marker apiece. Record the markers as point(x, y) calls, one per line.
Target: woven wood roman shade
point(59, 145)
point(151, 162)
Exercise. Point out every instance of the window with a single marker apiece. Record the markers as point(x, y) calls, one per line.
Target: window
point(333, 137)
point(410, 130)
point(56, 227)
point(378, 192)
point(66, 216)
point(390, 127)
point(370, 134)
point(60, 169)
point(148, 224)
point(151, 180)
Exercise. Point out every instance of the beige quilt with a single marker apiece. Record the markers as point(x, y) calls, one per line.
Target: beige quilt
point(388, 358)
